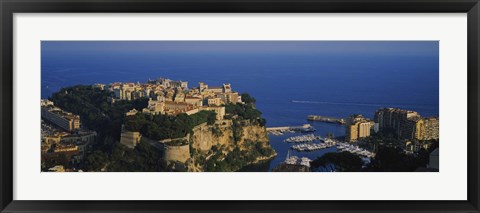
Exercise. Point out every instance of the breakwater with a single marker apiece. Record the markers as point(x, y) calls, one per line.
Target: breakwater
point(325, 119)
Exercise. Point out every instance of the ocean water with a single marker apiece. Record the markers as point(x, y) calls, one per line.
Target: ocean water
point(290, 80)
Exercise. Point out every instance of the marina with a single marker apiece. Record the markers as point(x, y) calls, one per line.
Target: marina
point(308, 147)
point(305, 145)
point(303, 138)
point(354, 150)
point(295, 160)
point(290, 129)
point(280, 132)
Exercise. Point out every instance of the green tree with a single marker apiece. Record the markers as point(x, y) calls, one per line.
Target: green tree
point(211, 118)
point(96, 161)
point(389, 159)
point(343, 161)
point(247, 99)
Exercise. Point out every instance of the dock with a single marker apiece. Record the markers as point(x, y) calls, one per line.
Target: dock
point(326, 119)
point(303, 128)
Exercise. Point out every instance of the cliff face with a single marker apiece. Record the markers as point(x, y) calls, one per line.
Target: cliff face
point(224, 146)
point(222, 138)
point(253, 133)
point(204, 137)
point(222, 133)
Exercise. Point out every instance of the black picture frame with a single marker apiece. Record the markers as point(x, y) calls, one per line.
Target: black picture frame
point(9, 7)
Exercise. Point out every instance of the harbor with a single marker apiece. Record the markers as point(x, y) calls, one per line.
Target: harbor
point(302, 163)
point(341, 147)
point(304, 147)
point(295, 160)
point(309, 147)
point(305, 143)
point(303, 139)
point(305, 128)
point(354, 149)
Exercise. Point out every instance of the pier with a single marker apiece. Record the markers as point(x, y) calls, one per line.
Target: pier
point(303, 128)
point(325, 119)
point(303, 138)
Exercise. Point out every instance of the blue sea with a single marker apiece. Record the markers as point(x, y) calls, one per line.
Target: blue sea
point(289, 79)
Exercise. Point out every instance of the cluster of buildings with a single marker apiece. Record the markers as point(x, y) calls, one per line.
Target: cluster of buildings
point(57, 116)
point(152, 89)
point(73, 146)
point(405, 124)
point(61, 134)
point(169, 97)
point(356, 127)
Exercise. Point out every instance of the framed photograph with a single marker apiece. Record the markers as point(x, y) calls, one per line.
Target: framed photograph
point(161, 106)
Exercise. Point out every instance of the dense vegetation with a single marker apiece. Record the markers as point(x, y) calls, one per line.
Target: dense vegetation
point(160, 127)
point(343, 162)
point(97, 114)
point(144, 158)
point(106, 119)
point(390, 159)
point(245, 111)
point(390, 156)
point(95, 111)
point(236, 159)
point(247, 99)
point(54, 160)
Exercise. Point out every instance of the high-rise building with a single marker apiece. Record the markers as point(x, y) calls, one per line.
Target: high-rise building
point(407, 124)
point(431, 128)
point(357, 127)
point(57, 116)
point(364, 129)
point(410, 127)
point(419, 130)
point(351, 133)
point(397, 120)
